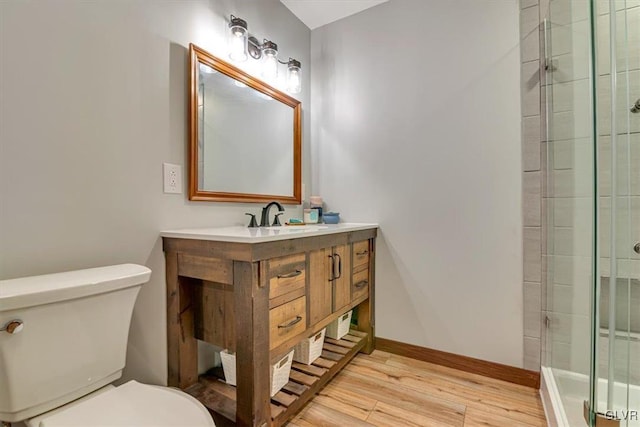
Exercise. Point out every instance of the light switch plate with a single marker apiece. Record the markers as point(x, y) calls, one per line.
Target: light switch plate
point(172, 178)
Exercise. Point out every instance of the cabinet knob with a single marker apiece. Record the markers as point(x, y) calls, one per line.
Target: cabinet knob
point(636, 248)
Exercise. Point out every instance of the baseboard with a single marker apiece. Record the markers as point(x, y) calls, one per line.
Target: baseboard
point(463, 363)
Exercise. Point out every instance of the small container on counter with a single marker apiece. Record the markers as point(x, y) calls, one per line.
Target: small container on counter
point(331, 217)
point(315, 202)
point(310, 216)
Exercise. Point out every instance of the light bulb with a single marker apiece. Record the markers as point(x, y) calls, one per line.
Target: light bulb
point(270, 60)
point(238, 39)
point(294, 81)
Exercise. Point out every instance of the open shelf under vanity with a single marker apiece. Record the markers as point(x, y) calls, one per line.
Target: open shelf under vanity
point(286, 290)
point(304, 381)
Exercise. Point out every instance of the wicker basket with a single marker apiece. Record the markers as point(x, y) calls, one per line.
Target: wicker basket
point(279, 371)
point(339, 327)
point(309, 349)
point(229, 366)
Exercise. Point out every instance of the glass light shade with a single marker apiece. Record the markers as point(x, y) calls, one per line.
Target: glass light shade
point(238, 36)
point(269, 63)
point(294, 79)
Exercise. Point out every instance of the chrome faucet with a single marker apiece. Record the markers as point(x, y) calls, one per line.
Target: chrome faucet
point(264, 219)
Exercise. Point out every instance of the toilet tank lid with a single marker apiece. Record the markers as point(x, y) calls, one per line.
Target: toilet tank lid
point(48, 288)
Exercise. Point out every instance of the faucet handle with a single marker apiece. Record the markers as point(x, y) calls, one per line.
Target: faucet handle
point(252, 221)
point(276, 220)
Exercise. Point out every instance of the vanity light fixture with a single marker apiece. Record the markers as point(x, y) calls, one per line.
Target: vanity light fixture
point(294, 81)
point(242, 45)
point(238, 39)
point(270, 60)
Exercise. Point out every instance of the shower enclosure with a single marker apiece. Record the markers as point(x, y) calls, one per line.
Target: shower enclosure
point(591, 210)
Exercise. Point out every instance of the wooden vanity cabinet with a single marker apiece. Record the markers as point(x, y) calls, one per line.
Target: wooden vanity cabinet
point(330, 281)
point(259, 300)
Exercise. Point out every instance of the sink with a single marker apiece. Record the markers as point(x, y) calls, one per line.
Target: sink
point(298, 228)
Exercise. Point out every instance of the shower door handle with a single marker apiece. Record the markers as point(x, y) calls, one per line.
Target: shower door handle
point(636, 248)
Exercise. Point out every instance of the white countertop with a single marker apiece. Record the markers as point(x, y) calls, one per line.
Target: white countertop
point(240, 234)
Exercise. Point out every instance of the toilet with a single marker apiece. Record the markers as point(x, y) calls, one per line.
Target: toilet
point(63, 341)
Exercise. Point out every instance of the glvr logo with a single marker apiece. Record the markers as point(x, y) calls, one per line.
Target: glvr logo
point(629, 415)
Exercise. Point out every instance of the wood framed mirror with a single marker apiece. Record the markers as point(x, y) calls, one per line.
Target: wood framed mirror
point(245, 139)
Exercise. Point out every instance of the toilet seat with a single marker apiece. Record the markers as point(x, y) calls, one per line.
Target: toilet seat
point(131, 404)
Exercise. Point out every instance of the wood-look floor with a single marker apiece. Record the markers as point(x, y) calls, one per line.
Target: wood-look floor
point(383, 389)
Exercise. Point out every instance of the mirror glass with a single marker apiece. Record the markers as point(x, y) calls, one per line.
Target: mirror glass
point(245, 142)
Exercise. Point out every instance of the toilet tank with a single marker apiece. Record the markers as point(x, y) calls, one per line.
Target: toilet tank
point(73, 340)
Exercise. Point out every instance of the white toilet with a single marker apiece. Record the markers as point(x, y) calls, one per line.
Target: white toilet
point(63, 340)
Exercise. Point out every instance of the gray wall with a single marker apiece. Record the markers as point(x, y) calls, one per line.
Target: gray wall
point(94, 100)
point(415, 125)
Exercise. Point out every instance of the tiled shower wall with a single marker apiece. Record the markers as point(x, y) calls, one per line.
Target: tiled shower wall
point(533, 152)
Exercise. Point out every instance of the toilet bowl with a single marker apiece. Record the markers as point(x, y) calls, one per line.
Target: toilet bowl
point(63, 341)
point(131, 404)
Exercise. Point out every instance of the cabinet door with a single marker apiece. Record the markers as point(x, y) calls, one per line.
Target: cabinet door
point(320, 284)
point(342, 281)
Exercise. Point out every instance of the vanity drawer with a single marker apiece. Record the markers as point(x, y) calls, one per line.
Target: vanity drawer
point(286, 274)
point(287, 321)
point(360, 254)
point(360, 286)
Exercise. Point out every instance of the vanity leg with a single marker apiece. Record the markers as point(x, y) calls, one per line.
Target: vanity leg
point(251, 299)
point(366, 310)
point(181, 344)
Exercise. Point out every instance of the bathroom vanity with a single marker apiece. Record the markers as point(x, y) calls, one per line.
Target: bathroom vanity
point(258, 292)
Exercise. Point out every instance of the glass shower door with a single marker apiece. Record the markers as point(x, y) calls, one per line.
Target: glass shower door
point(569, 200)
point(616, 383)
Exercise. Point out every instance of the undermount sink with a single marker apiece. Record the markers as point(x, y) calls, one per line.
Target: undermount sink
point(298, 228)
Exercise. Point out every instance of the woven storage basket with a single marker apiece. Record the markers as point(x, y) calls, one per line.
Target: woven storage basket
point(309, 349)
point(339, 327)
point(229, 366)
point(279, 371)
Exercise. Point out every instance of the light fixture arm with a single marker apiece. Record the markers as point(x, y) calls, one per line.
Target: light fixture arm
point(254, 47)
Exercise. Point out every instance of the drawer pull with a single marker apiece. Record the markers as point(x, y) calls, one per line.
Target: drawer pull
point(333, 268)
point(339, 266)
point(290, 275)
point(362, 253)
point(362, 284)
point(290, 324)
